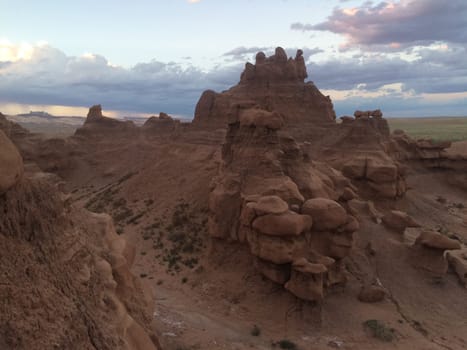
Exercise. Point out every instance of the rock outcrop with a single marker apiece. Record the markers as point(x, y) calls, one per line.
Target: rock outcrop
point(97, 124)
point(457, 259)
point(11, 129)
point(295, 204)
point(11, 164)
point(65, 272)
point(273, 84)
point(398, 221)
point(262, 197)
point(431, 154)
point(362, 149)
point(428, 251)
point(161, 125)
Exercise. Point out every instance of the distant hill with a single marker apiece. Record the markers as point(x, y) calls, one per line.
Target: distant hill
point(48, 124)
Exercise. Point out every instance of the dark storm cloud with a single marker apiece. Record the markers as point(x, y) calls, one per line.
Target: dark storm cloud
point(406, 22)
point(51, 77)
point(434, 71)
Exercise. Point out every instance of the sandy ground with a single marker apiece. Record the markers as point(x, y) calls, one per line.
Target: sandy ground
point(216, 303)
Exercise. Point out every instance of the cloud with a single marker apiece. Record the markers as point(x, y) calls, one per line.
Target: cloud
point(432, 71)
point(50, 77)
point(243, 53)
point(396, 25)
point(369, 80)
point(194, 1)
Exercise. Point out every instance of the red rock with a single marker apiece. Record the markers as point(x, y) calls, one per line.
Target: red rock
point(371, 294)
point(286, 224)
point(11, 164)
point(399, 221)
point(276, 273)
point(270, 205)
point(326, 213)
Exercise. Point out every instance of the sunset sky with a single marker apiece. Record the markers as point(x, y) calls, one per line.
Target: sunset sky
point(407, 57)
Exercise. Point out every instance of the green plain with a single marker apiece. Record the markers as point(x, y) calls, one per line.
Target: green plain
point(436, 128)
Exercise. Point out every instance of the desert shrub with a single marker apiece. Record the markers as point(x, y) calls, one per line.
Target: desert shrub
point(287, 344)
point(134, 219)
point(255, 331)
point(123, 214)
point(379, 330)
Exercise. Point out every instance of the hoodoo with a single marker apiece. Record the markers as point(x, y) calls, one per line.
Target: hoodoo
point(273, 84)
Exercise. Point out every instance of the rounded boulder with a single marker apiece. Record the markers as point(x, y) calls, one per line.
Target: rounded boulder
point(326, 213)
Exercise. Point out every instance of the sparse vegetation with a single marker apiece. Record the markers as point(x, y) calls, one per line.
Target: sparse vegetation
point(181, 240)
point(438, 129)
point(287, 344)
point(256, 331)
point(379, 330)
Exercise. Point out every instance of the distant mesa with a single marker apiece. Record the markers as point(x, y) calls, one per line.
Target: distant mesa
point(97, 123)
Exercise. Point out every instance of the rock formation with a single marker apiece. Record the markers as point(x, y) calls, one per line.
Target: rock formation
point(399, 221)
point(272, 93)
point(269, 196)
point(97, 124)
point(362, 149)
point(272, 84)
point(458, 260)
point(428, 252)
point(66, 281)
point(11, 164)
point(428, 152)
point(11, 129)
point(161, 125)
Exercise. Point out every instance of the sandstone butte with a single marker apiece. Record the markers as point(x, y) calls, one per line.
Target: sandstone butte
point(316, 205)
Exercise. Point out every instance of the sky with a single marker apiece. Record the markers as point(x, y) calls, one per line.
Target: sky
point(141, 57)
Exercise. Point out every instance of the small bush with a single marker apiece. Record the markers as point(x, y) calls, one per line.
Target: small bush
point(256, 331)
point(379, 330)
point(287, 344)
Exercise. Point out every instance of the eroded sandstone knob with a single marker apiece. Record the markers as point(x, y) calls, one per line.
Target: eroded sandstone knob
point(428, 252)
point(326, 213)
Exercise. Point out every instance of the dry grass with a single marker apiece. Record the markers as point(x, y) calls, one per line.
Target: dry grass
point(436, 128)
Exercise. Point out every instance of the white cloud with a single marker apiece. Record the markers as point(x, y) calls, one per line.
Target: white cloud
point(434, 77)
point(46, 76)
